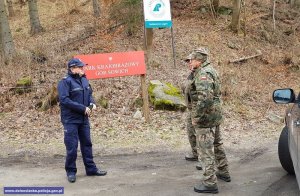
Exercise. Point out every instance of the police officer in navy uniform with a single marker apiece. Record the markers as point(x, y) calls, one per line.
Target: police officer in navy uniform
point(76, 104)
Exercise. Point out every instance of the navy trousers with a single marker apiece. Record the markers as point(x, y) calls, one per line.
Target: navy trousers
point(73, 133)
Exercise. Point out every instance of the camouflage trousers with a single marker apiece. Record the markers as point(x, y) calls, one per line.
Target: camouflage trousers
point(213, 155)
point(191, 134)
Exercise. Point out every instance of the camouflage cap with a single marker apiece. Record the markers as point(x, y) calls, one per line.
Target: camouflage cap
point(202, 50)
point(198, 54)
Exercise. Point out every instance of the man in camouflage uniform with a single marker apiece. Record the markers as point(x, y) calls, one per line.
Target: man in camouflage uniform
point(193, 155)
point(206, 115)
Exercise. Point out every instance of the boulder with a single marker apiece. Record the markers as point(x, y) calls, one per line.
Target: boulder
point(23, 85)
point(165, 96)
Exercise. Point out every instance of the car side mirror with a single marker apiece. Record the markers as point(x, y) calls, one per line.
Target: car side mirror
point(284, 96)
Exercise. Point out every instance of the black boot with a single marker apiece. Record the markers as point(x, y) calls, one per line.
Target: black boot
point(98, 173)
point(223, 177)
point(201, 188)
point(199, 167)
point(191, 157)
point(71, 178)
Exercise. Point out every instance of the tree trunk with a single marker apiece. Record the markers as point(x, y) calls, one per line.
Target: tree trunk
point(7, 43)
point(10, 8)
point(35, 24)
point(22, 3)
point(235, 22)
point(295, 3)
point(216, 4)
point(96, 8)
point(1, 48)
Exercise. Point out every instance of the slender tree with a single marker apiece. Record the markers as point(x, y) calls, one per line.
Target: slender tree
point(96, 8)
point(216, 4)
point(1, 48)
point(35, 24)
point(22, 3)
point(235, 22)
point(273, 15)
point(8, 47)
point(127, 12)
point(10, 8)
point(295, 3)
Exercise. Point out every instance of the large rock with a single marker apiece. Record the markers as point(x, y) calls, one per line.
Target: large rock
point(165, 96)
point(23, 85)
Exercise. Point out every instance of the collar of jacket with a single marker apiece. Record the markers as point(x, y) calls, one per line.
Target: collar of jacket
point(205, 64)
point(76, 76)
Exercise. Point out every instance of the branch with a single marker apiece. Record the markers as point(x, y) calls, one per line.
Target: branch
point(213, 11)
point(109, 29)
point(274, 21)
point(246, 58)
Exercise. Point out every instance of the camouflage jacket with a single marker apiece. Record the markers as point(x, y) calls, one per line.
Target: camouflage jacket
point(203, 96)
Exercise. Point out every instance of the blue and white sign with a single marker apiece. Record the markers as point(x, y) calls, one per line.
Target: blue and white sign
point(157, 14)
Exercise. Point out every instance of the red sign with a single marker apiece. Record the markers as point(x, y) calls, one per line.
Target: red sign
point(113, 64)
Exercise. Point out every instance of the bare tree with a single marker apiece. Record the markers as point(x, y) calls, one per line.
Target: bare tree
point(128, 12)
point(35, 24)
point(216, 4)
point(96, 8)
point(8, 47)
point(1, 48)
point(295, 3)
point(22, 3)
point(273, 15)
point(10, 8)
point(235, 22)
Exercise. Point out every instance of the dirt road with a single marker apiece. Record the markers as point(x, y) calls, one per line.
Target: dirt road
point(254, 172)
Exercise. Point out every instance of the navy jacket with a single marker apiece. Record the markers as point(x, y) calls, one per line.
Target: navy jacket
point(75, 94)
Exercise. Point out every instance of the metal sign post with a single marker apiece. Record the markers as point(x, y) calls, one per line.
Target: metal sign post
point(173, 47)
